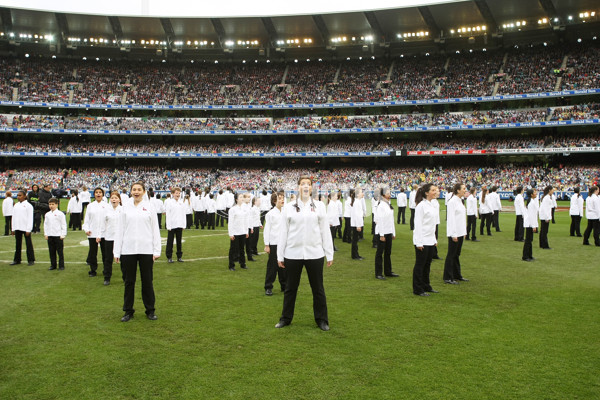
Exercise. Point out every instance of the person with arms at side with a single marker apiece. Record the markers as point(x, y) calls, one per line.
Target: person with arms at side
point(75, 209)
point(55, 231)
point(386, 233)
point(332, 216)
point(530, 223)
point(22, 225)
point(85, 197)
point(472, 215)
point(159, 208)
point(576, 212)
point(137, 242)
point(340, 214)
point(519, 211)
point(265, 205)
point(485, 212)
point(271, 234)
point(401, 203)
point(554, 205)
point(109, 232)
point(592, 213)
point(92, 226)
point(256, 226)
point(347, 236)
point(496, 206)
point(304, 241)
point(426, 219)
point(176, 222)
point(545, 216)
point(7, 211)
point(356, 222)
point(412, 205)
point(210, 206)
point(456, 230)
point(33, 197)
point(237, 227)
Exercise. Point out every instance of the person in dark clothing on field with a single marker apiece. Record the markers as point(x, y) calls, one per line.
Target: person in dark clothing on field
point(33, 197)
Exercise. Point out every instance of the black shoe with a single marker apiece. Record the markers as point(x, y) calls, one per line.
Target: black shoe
point(547, 248)
point(232, 268)
point(436, 258)
point(324, 326)
point(475, 240)
point(527, 259)
point(268, 292)
point(61, 268)
point(106, 282)
point(489, 234)
point(281, 324)
point(92, 274)
point(467, 238)
point(243, 267)
point(51, 268)
point(579, 236)
point(31, 263)
point(180, 259)
point(251, 259)
point(151, 316)
point(380, 277)
point(432, 291)
point(170, 261)
point(256, 254)
point(359, 258)
point(463, 279)
point(450, 282)
point(584, 243)
point(498, 230)
point(422, 294)
point(19, 262)
point(392, 275)
point(126, 317)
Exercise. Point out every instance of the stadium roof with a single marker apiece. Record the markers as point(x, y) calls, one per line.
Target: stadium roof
point(456, 23)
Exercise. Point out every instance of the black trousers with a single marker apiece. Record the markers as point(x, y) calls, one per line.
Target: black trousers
point(544, 225)
point(486, 220)
point(339, 228)
point(203, 219)
point(412, 219)
point(435, 249)
point(197, 218)
point(55, 247)
point(252, 242)
point(593, 224)
point(159, 216)
point(519, 228)
point(527, 246)
point(107, 259)
point(373, 225)
point(375, 237)
point(421, 270)
point(333, 230)
point(575, 225)
point(262, 217)
point(401, 212)
point(496, 220)
point(19, 244)
point(293, 271)
point(347, 230)
point(471, 226)
point(273, 270)
point(211, 221)
point(130, 264)
point(37, 220)
point(383, 256)
point(452, 269)
point(354, 250)
point(553, 209)
point(174, 234)
point(7, 225)
point(188, 221)
point(92, 258)
point(75, 221)
point(225, 217)
point(237, 247)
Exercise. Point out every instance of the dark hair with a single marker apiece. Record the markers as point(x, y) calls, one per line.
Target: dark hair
point(457, 187)
point(53, 200)
point(352, 197)
point(150, 193)
point(303, 177)
point(210, 196)
point(236, 195)
point(518, 190)
point(593, 189)
point(76, 194)
point(484, 192)
point(493, 188)
point(264, 192)
point(547, 190)
point(138, 183)
point(422, 192)
point(529, 194)
point(22, 191)
point(158, 195)
point(254, 201)
point(576, 190)
point(473, 190)
point(274, 199)
point(100, 189)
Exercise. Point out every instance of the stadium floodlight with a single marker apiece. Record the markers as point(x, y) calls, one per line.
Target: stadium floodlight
point(229, 43)
point(26, 55)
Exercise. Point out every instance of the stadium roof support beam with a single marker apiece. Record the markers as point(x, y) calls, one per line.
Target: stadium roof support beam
point(6, 16)
point(374, 22)
point(322, 27)
point(548, 6)
point(434, 29)
point(486, 13)
point(218, 25)
point(63, 26)
point(115, 23)
point(270, 28)
point(168, 28)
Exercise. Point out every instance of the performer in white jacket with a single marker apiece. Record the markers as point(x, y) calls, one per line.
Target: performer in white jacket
point(519, 211)
point(175, 210)
point(412, 205)
point(472, 215)
point(530, 223)
point(592, 213)
point(385, 230)
point(485, 211)
point(333, 216)
point(456, 230)
point(7, 210)
point(271, 235)
point(401, 202)
point(545, 216)
point(75, 209)
point(137, 242)
point(92, 226)
point(55, 231)
point(238, 225)
point(110, 226)
point(424, 240)
point(356, 221)
point(22, 225)
point(576, 212)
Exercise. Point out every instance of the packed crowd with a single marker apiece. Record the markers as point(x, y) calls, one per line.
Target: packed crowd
point(506, 177)
point(526, 70)
point(283, 146)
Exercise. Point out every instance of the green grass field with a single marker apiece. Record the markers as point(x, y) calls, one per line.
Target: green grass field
point(516, 331)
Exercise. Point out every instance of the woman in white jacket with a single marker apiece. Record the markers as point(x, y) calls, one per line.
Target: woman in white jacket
point(137, 242)
point(92, 226)
point(592, 213)
point(426, 219)
point(576, 213)
point(110, 225)
point(530, 223)
point(546, 204)
point(519, 211)
point(75, 208)
point(472, 215)
point(385, 231)
point(333, 216)
point(485, 211)
point(356, 222)
point(456, 230)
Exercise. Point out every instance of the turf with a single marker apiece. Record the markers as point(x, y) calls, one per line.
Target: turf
point(516, 330)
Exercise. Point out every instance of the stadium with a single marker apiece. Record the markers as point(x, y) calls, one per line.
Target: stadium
point(251, 96)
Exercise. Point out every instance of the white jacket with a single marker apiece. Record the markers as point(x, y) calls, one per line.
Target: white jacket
point(332, 213)
point(357, 214)
point(546, 208)
point(111, 222)
point(137, 231)
point(520, 205)
point(426, 218)
point(238, 223)
point(456, 225)
point(401, 199)
point(94, 216)
point(472, 206)
point(592, 207)
point(272, 227)
point(75, 205)
point(22, 218)
point(530, 218)
point(384, 219)
point(7, 207)
point(55, 224)
point(175, 213)
point(576, 205)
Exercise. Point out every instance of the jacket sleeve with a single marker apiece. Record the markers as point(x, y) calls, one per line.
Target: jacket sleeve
point(267, 229)
point(63, 225)
point(326, 238)
point(285, 226)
